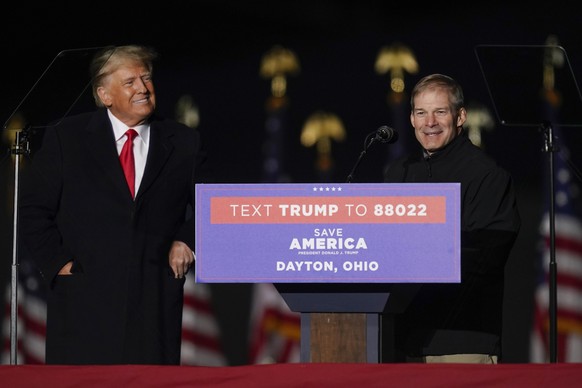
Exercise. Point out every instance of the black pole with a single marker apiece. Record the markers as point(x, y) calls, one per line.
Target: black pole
point(368, 141)
point(351, 176)
point(20, 148)
point(550, 148)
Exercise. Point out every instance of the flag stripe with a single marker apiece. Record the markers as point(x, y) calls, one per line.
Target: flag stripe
point(201, 342)
point(275, 329)
point(30, 330)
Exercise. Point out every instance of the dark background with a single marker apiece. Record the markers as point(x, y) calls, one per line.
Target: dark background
point(211, 50)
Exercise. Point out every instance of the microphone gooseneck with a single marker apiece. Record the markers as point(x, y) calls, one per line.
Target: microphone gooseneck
point(384, 134)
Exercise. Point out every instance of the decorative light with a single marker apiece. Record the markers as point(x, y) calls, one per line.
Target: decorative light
point(276, 64)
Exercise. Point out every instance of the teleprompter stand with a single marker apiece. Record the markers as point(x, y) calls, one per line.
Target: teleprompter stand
point(528, 91)
point(59, 91)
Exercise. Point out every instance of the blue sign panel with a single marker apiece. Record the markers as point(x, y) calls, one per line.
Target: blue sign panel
point(328, 233)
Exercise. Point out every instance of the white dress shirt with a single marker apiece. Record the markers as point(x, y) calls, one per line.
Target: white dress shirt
point(140, 145)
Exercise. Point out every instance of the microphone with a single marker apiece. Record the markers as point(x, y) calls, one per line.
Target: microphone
point(386, 134)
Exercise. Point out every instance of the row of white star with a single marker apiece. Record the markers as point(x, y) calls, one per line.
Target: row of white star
point(321, 188)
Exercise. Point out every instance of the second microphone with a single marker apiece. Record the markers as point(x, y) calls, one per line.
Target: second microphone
point(386, 134)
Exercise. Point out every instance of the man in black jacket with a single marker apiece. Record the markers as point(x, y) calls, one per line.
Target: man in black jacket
point(458, 322)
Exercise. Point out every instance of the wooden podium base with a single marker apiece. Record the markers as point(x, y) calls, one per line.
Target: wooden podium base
point(340, 337)
point(339, 322)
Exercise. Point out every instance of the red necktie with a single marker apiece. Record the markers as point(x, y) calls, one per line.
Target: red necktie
point(127, 160)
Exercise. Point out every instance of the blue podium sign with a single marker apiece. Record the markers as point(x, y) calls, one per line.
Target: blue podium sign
point(328, 233)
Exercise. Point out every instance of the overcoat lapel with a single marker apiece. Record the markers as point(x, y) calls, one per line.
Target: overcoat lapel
point(101, 143)
point(159, 151)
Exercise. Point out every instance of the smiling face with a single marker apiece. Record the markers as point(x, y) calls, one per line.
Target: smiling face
point(435, 122)
point(129, 93)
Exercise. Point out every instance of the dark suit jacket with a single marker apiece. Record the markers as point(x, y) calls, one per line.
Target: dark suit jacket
point(122, 305)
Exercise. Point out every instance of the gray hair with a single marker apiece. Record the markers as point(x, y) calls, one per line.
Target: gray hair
point(455, 91)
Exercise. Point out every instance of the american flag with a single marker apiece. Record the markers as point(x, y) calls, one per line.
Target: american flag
point(201, 344)
point(275, 329)
point(568, 257)
point(567, 236)
point(31, 318)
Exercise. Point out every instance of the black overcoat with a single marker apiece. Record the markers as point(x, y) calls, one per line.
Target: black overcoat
point(122, 305)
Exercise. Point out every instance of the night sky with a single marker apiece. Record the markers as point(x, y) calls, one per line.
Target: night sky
point(212, 50)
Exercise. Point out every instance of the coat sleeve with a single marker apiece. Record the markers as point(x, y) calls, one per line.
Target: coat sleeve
point(492, 222)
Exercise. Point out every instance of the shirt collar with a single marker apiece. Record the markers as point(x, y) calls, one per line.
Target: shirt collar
point(119, 128)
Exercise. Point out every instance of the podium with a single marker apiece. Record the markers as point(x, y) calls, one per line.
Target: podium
point(343, 322)
point(345, 256)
